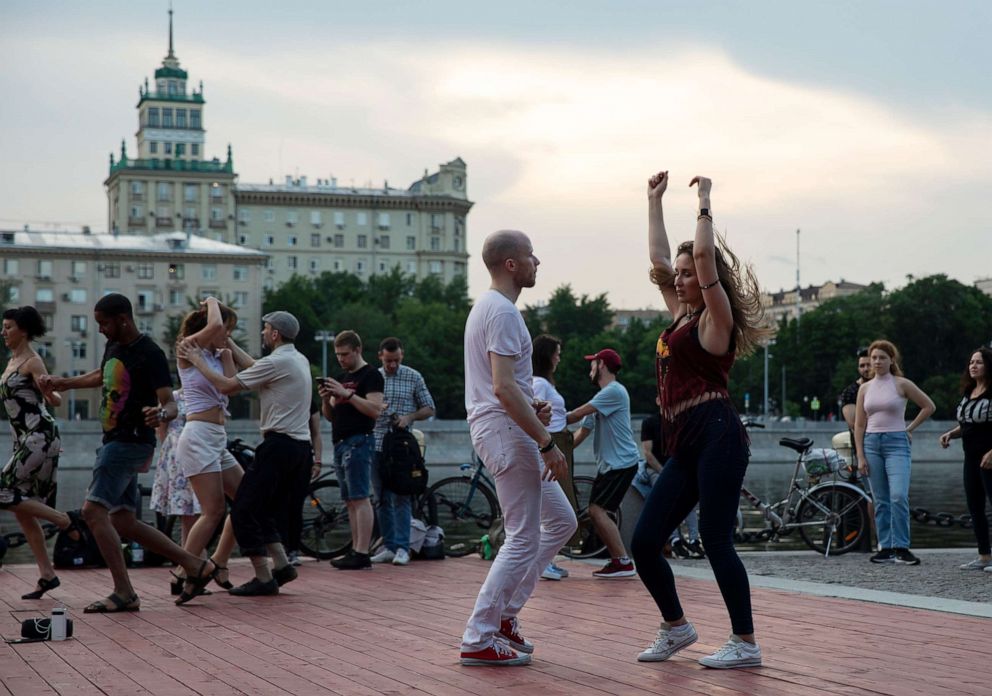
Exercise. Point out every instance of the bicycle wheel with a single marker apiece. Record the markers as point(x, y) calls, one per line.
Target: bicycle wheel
point(590, 545)
point(326, 532)
point(462, 510)
point(834, 518)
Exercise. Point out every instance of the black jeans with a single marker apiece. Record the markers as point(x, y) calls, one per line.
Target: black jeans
point(978, 486)
point(708, 470)
point(266, 492)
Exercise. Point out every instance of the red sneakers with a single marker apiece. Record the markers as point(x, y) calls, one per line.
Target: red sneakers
point(616, 569)
point(498, 655)
point(509, 629)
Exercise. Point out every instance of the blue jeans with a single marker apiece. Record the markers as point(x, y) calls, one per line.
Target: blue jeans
point(353, 463)
point(115, 476)
point(394, 511)
point(888, 456)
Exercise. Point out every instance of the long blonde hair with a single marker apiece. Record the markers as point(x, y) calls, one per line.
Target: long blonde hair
point(740, 284)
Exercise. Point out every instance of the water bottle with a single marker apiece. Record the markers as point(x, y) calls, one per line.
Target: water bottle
point(58, 624)
point(137, 553)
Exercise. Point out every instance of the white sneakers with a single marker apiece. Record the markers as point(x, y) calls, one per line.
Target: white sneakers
point(399, 557)
point(977, 564)
point(670, 640)
point(734, 653)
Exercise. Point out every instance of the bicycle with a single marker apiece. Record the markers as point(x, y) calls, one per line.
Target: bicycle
point(831, 517)
point(326, 529)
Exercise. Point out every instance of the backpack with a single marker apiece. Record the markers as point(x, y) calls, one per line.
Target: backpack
point(402, 463)
point(76, 553)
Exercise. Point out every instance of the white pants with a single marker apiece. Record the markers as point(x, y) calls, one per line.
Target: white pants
point(537, 519)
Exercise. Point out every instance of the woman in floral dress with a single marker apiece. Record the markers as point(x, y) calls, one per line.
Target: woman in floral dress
point(171, 492)
point(28, 477)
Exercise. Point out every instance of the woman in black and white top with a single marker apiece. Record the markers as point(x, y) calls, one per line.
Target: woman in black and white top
point(974, 427)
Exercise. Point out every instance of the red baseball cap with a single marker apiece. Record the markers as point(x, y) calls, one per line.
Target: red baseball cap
point(610, 358)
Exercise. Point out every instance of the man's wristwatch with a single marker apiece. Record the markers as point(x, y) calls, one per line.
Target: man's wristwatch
point(163, 414)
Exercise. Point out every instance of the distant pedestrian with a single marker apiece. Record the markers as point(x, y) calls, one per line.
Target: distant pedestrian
point(513, 441)
point(407, 400)
point(974, 416)
point(882, 440)
point(607, 416)
point(352, 402)
point(716, 305)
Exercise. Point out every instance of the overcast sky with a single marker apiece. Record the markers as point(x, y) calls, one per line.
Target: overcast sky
point(868, 125)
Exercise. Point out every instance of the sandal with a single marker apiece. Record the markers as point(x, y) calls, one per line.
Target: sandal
point(113, 604)
point(176, 584)
point(43, 587)
point(196, 584)
point(226, 584)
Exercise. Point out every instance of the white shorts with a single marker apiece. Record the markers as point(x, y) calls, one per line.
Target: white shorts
point(202, 449)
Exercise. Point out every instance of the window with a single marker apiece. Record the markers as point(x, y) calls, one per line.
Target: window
point(180, 118)
point(359, 267)
point(180, 149)
point(77, 296)
point(44, 269)
point(268, 284)
point(146, 271)
point(216, 191)
point(167, 118)
point(241, 299)
point(437, 221)
point(338, 265)
point(382, 267)
point(292, 217)
point(383, 221)
point(363, 241)
point(459, 268)
point(194, 149)
point(269, 240)
point(146, 300)
point(137, 188)
point(191, 192)
point(458, 244)
point(339, 240)
point(172, 88)
point(153, 147)
point(153, 117)
point(190, 213)
point(164, 192)
point(145, 325)
point(216, 214)
point(208, 292)
point(459, 225)
point(314, 265)
point(436, 267)
point(137, 212)
point(270, 264)
point(79, 348)
point(291, 241)
point(240, 272)
point(14, 294)
point(315, 218)
point(435, 244)
point(268, 216)
point(111, 270)
point(339, 219)
point(11, 266)
point(384, 241)
point(49, 320)
point(242, 239)
point(362, 218)
point(168, 148)
point(175, 297)
point(409, 219)
point(44, 295)
point(411, 267)
point(177, 271)
point(194, 119)
point(209, 271)
point(315, 239)
point(291, 263)
point(244, 215)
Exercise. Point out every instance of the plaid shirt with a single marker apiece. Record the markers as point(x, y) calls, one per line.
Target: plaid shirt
point(405, 392)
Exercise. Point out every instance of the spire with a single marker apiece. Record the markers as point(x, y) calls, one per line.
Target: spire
point(171, 53)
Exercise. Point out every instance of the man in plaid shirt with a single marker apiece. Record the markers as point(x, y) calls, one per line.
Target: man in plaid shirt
point(407, 400)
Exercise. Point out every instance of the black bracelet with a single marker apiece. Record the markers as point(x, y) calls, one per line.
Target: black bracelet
point(548, 447)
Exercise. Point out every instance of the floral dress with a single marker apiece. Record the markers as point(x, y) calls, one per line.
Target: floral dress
point(30, 471)
point(171, 492)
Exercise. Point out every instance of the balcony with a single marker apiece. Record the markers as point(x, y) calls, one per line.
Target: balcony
point(163, 222)
point(136, 222)
point(192, 222)
point(137, 197)
point(214, 166)
point(218, 224)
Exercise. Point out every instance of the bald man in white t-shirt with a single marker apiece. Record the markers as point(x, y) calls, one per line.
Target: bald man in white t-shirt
point(509, 433)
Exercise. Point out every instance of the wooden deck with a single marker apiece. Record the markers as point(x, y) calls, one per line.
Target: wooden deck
point(396, 631)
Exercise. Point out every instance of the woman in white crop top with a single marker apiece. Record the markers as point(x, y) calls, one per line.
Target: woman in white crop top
point(201, 452)
point(882, 440)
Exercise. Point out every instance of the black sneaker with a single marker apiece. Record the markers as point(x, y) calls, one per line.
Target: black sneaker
point(256, 588)
point(696, 550)
point(353, 561)
point(285, 574)
point(905, 557)
point(679, 549)
point(884, 556)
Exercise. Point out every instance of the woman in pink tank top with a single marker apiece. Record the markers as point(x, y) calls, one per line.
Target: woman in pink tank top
point(882, 440)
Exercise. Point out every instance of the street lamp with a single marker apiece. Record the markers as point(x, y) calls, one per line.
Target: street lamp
point(72, 373)
point(770, 342)
point(324, 335)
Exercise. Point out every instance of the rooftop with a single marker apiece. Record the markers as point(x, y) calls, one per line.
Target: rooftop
point(162, 243)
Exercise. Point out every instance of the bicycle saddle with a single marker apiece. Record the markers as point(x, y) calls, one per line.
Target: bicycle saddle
point(800, 445)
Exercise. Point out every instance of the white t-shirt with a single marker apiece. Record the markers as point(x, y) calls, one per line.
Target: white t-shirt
point(494, 326)
point(545, 391)
point(284, 386)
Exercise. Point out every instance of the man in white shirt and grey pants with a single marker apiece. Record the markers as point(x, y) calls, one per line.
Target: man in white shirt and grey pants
point(509, 434)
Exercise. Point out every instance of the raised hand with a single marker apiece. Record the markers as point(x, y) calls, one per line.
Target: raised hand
point(657, 184)
point(705, 185)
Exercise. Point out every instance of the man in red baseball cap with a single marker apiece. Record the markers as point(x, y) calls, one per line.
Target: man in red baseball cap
point(607, 416)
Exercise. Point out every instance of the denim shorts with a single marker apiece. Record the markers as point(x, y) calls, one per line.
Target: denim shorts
point(115, 476)
point(353, 463)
